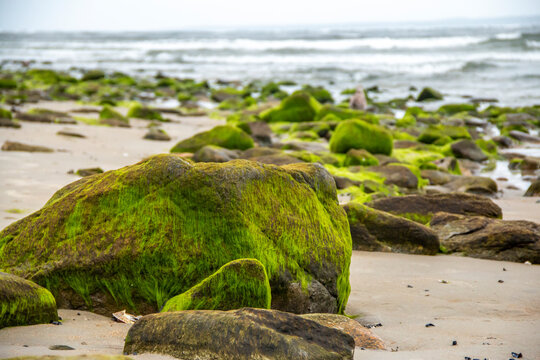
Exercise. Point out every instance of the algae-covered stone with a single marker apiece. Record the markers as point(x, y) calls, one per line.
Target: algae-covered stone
point(74, 357)
point(357, 134)
point(481, 185)
point(237, 284)
point(108, 112)
point(298, 107)
point(374, 230)
point(237, 335)
point(421, 208)
point(23, 302)
point(434, 133)
point(144, 112)
point(451, 109)
point(467, 149)
point(176, 223)
point(225, 136)
point(428, 93)
point(360, 157)
point(212, 153)
point(93, 75)
point(5, 114)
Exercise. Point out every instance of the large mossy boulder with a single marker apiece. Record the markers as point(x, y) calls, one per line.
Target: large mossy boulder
point(357, 134)
point(421, 208)
point(23, 302)
point(237, 284)
point(298, 107)
point(237, 335)
point(486, 238)
point(225, 136)
point(137, 236)
point(374, 230)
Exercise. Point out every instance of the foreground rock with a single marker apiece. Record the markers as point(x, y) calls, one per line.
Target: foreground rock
point(374, 230)
point(239, 334)
point(179, 222)
point(422, 207)
point(363, 337)
point(74, 357)
point(17, 146)
point(23, 302)
point(486, 238)
point(237, 284)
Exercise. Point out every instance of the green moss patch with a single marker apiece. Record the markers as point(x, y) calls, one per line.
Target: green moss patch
point(357, 134)
point(225, 136)
point(298, 107)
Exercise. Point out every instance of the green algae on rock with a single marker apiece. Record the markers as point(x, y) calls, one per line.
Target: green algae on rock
point(142, 112)
point(225, 136)
point(5, 114)
point(357, 134)
point(237, 284)
point(242, 334)
point(298, 107)
point(428, 93)
point(23, 302)
point(108, 112)
point(360, 157)
point(137, 236)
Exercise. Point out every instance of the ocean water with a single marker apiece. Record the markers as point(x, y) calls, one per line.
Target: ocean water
point(499, 59)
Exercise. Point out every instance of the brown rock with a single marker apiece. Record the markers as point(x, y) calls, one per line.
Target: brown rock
point(17, 146)
point(398, 175)
point(468, 149)
point(473, 184)
point(534, 189)
point(4, 122)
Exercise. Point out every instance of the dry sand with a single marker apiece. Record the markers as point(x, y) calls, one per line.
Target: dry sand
point(488, 319)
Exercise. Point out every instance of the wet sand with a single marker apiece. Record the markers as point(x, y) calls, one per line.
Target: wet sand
point(488, 319)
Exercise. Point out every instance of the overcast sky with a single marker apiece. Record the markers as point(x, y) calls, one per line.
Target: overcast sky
point(182, 14)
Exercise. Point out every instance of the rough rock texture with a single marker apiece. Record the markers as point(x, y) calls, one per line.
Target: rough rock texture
point(480, 185)
point(17, 146)
point(281, 159)
point(422, 207)
point(75, 357)
point(225, 136)
point(238, 334)
point(358, 134)
point(212, 153)
point(363, 337)
point(237, 284)
point(467, 149)
point(89, 171)
point(177, 223)
point(396, 174)
point(24, 303)
point(374, 230)
point(486, 238)
point(534, 189)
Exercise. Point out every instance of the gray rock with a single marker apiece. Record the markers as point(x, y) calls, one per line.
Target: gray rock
point(467, 149)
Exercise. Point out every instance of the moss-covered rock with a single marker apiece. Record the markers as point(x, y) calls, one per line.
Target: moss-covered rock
point(319, 93)
point(467, 149)
point(357, 134)
point(436, 134)
point(213, 153)
point(298, 107)
point(24, 303)
point(225, 136)
point(5, 114)
point(451, 109)
point(242, 334)
point(374, 230)
point(74, 357)
point(336, 113)
point(93, 75)
point(360, 157)
point(428, 93)
point(237, 284)
point(137, 236)
point(142, 112)
point(107, 112)
point(421, 208)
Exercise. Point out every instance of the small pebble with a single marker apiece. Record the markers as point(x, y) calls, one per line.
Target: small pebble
point(410, 286)
point(454, 343)
point(60, 347)
point(25, 345)
point(79, 314)
point(501, 281)
point(504, 269)
point(56, 323)
point(429, 325)
point(443, 281)
point(517, 355)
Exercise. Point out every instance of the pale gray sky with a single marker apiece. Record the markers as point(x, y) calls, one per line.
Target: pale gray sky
point(181, 14)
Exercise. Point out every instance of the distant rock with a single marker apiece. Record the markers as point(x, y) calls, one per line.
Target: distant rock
point(521, 136)
point(238, 334)
point(374, 230)
point(212, 153)
point(5, 122)
point(534, 189)
point(225, 136)
point(358, 100)
point(486, 238)
point(23, 302)
point(503, 141)
point(479, 185)
point(70, 134)
point(157, 134)
point(428, 93)
point(278, 159)
point(437, 177)
point(422, 207)
point(17, 146)
point(468, 149)
point(396, 174)
point(259, 131)
point(89, 171)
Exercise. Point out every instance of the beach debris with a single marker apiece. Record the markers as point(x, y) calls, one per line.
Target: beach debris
point(374, 325)
point(527, 263)
point(504, 269)
point(124, 317)
point(430, 325)
point(60, 347)
point(517, 355)
point(454, 342)
point(500, 281)
point(410, 286)
point(56, 322)
point(70, 133)
point(443, 281)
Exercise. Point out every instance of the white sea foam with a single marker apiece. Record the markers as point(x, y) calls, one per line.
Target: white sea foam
point(533, 44)
point(508, 36)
